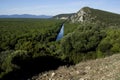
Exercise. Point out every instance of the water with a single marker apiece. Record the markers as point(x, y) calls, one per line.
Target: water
point(61, 33)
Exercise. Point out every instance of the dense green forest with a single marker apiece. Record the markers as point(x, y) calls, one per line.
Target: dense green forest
point(92, 39)
point(25, 39)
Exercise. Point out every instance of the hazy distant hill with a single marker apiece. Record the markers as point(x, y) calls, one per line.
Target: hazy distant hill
point(63, 16)
point(24, 16)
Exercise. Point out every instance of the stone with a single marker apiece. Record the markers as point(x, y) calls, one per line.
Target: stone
point(88, 67)
point(53, 74)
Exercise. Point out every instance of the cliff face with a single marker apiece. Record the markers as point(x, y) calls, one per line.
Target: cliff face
point(82, 15)
point(87, 14)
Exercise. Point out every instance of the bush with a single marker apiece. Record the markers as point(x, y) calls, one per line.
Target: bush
point(82, 42)
point(11, 60)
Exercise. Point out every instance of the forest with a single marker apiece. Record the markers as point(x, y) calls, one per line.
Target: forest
point(23, 40)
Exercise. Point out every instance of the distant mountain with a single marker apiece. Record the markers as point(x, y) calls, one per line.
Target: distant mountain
point(87, 14)
point(25, 16)
point(63, 16)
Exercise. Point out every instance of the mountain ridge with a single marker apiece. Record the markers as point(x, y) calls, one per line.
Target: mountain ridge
point(87, 14)
point(25, 16)
point(63, 16)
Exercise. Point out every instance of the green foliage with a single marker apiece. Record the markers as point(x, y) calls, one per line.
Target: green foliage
point(111, 42)
point(24, 34)
point(108, 18)
point(83, 41)
point(70, 27)
point(90, 41)
point(99, 54)
point(22, 39)
point(105, 46)
point(8, 66)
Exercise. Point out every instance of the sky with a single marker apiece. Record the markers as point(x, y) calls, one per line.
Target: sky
point(54, 7)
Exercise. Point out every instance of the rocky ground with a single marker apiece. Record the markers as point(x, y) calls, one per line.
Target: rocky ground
point(100, 69)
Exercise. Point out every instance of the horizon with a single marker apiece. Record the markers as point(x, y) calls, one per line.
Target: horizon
point(54, 7)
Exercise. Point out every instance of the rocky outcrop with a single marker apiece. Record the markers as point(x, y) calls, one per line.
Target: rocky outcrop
point(82, 15)
point(63, 18)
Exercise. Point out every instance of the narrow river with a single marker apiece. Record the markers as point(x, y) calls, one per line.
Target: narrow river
point(61, 33)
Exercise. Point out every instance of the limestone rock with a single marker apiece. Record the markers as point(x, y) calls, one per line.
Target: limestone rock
point(82, 15)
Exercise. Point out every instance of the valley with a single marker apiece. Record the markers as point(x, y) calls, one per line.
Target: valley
point(30, 46)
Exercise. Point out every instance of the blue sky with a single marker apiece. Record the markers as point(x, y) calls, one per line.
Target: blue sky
point(53, 7)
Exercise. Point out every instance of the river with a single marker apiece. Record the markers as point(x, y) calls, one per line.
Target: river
point(61, 33)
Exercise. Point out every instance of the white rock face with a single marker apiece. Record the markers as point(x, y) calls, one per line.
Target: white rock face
point(81, 19)
point(81, 16)
point(64, 18)
point(52, 74)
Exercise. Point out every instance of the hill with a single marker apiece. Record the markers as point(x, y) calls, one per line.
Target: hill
point(24, 16)
point(90, 34)
point(63, 16)
point(87, 14)
point(99, 69)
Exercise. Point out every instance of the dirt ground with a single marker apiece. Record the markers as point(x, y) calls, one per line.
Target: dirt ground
point(100, 69)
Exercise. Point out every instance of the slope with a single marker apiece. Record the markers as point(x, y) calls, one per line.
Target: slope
point(99, 69)
point(87, 14)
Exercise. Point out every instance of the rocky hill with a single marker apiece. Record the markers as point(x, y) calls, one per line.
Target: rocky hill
point(87, 14)
point(100, 69)
point(82, 15)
